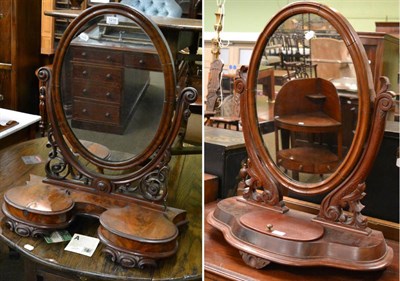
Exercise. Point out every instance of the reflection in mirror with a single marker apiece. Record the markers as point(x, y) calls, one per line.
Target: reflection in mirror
point(112, 88)
point(306, 98)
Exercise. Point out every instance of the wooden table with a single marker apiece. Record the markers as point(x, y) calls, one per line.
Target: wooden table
point(179, 32)
point(267, 79)
point(24, 130)
point(51, 262)
point(223, 262)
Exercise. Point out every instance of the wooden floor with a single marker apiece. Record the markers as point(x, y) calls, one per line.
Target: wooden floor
point(223, 262)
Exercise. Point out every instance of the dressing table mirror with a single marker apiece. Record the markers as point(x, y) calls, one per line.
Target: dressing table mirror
point(114, 112)
point(312, 147)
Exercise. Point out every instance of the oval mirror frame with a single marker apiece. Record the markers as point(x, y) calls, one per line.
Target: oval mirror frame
point(167, 128)
point(261, 163)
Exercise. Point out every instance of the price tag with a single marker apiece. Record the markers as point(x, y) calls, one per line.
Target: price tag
point(83, 36)
point(112, 20)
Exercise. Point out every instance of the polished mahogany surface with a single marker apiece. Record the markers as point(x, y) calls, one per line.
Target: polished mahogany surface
point(223, 262)
point(186, 263)
point(347, 241)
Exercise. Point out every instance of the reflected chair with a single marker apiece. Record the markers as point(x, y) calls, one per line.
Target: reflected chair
point(230, 116)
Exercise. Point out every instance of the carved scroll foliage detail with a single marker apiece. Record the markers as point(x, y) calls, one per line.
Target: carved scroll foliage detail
point(25, 230)
point(352, 192)
point(154, 185)
point(252, 187)
point(129, 260)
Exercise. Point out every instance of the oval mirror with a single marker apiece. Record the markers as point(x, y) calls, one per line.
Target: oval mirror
point(298, 50)
point(112, 87)
point(304, 98)
point(113, 90)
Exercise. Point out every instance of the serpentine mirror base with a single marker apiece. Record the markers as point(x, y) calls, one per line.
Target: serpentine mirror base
point(263, 235)
point(133, 234)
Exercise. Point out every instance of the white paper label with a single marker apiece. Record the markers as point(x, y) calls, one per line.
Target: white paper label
point(83, 36)
point(112, 20)
point(279, 233)
point(29, 247)
point(82, 244)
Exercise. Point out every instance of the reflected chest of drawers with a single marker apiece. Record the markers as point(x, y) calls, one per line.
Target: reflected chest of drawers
point(106, 86)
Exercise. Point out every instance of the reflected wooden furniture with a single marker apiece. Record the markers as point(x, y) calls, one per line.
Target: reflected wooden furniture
point(108, 104)
point(19, 54)
point(49, 262)
point(218, 250)
point(267, 79)
point(309, 107)
point(332, 64)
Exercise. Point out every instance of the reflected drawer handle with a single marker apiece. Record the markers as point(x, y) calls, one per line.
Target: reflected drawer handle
point(1, 15)
point(108, 76)
point(1, 97)
point(108, 57)
point(83, 54)
point(84, 72)
point(84, 91)
point(108, 94)
point(141, 62)
point(84, 110)
point(107, 114)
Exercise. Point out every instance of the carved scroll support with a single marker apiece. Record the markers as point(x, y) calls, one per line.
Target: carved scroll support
point(44, 76)
point(259, 186)
point(259, 192)
point(349, 194)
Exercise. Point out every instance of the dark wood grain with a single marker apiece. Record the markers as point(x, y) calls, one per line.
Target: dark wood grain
point(19, 54)
point(186, 180)
point(223, 262)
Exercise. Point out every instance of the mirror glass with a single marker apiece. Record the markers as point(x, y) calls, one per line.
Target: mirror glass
point(112, 88)
point(306, 98)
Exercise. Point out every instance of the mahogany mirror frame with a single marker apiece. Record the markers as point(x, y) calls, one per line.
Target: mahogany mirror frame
point(261, 161)
point(136, 230)
point(258, 223)
point(175, 107)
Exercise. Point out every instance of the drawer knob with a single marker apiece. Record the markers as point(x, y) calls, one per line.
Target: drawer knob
point(141, 61)
point(1, 97)
point(108, 57)
point(107, 114)
point(108, 76)
point(84, 110)
point(108, 94)
point(83, 54)
point(84, 91)
point(84, 72)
